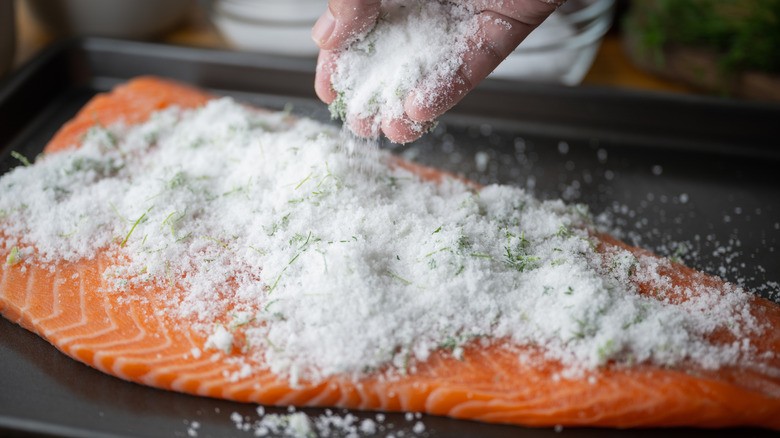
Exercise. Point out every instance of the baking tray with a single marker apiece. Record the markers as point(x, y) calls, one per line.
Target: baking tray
point(666, 172)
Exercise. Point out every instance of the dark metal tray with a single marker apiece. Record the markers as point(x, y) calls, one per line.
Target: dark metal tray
point(662, 171)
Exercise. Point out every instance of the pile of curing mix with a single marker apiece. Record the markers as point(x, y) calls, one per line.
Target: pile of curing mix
point(342, 262)
point(415, 45)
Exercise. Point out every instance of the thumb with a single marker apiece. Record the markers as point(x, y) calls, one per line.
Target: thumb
point(344, 21)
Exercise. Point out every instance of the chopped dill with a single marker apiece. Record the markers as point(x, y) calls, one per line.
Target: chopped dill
point(338, 109)
point(302, 247)
point(304, 180)
point(117, 213)
point(168, 274)
point(265, 309)
point(396, 276)
point(558, 262)
point(133, 228)
point(519, 260)
point(240, 321)
point(172, 222)
point(463, 243)
point(216, 240)
point(277, 279)
point(605, 351)
point(21, 158)
point(592, 245)
point(680, 251)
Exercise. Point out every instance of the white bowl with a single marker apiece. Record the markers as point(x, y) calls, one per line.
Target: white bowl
point(277, 27)
point(276, 11)
point(133, 19)
point(562, 49)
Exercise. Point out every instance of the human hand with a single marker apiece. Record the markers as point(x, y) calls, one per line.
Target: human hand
point(500, 26)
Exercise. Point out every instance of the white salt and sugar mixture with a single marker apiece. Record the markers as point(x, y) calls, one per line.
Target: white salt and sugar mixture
point(337, 262)
point(414, 45)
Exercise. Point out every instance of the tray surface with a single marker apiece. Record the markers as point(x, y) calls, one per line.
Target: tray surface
point(676, 175)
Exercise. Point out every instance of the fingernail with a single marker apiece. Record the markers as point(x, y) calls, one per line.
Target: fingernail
point(323, 28)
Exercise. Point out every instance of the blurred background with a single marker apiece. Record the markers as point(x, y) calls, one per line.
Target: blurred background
point(726, 48)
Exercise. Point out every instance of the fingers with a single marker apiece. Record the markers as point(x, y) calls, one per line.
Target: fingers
point(326, 65)
point(495, 37)
point(404, 130)
point(401, 130)
point(532, 12)
point(499, 27)
point(344, 21)
point(398, 130)
point(364, 127)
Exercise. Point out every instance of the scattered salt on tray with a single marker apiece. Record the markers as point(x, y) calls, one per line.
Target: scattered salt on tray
point(300, 425)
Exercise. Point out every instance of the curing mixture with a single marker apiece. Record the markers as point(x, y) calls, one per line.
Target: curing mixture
point(327, 261)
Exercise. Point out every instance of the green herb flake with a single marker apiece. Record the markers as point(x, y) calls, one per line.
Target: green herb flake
point(21, 158)
point(216, 240)
point(13, 257)
point(396, 276)
point(133, 228)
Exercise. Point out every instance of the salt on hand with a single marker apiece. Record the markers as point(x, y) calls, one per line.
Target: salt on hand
point(417, 61)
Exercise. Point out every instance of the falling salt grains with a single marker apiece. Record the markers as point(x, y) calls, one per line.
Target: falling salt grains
point(481, 160)
point(414, 46)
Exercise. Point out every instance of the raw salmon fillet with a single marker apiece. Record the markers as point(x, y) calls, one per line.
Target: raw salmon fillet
point(128, 339)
